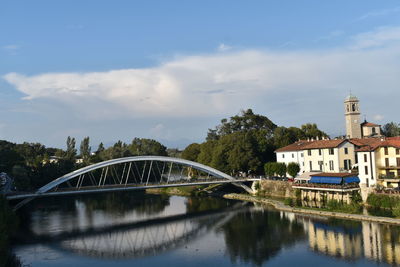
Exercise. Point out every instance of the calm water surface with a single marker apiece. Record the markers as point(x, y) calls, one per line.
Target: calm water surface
point(125, 229)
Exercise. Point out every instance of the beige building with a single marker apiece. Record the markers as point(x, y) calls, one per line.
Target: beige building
point(379, 162)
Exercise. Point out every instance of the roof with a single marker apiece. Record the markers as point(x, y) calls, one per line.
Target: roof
point(324, 144)
point(369, 124)
point(297, 146)
point(315, 144)
point(333, 174)
point(351, 97)
point(371, 144)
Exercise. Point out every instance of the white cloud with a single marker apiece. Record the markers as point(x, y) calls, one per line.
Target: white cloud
point(223, 83)
point(224, 47)
point(379, 13)
point(382, 36)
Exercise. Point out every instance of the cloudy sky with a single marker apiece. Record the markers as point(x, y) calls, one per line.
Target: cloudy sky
point(169, 70)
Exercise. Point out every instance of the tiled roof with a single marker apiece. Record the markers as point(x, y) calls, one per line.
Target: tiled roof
point(324, 144)
point(315, 144)
point(334, 174)
point(297, 146)
point(371, 144)
point(369, 124)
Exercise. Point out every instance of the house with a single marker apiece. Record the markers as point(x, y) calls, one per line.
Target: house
point(379, 162)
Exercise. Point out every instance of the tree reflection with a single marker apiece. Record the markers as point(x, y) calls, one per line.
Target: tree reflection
point(198, 204)
point(122, 203)
point(256, 237)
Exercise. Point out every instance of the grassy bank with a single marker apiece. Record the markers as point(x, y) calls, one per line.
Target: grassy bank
point(314, 211)
point(180, 191)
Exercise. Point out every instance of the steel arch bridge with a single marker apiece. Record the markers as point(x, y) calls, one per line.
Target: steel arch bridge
point(132, 173)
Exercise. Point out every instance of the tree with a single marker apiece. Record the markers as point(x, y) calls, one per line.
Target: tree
point(100, 148)
point(270, 169)
point(280, 169)
point(85, 149)
point(70, 153)
point(311, 131)
point(245, 121)
point(391, 129)
point(191, 152)
point(143, 146)
point(293, 169)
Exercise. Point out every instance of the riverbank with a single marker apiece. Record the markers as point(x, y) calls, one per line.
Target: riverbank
point(280, 206)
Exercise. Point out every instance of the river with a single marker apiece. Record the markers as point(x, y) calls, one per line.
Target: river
point(125, 229)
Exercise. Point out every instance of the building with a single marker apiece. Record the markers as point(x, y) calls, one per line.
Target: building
point(362, 149)
point(352, 117)
point(379, 162)
point(329, 186)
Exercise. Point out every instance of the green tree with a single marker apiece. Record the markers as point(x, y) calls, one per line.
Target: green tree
point(281, 169)
point(311, 130)
point(143, 146)
point(270, 168)
point(391, 129)
point(293, 169)
point(191, 152)
point(85, 149)
point(70, 153)
point(245, 121)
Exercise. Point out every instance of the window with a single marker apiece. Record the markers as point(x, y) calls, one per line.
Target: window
point(311, 166)
point(309, 152)
point(387, 162)
point(397, 151)
point(331, 151)
point(292, 155)
point(346, 150)
point(386, 150)
point(320, 163)
point(331, 167)
point(283, 156)
point(302, 155)
point(365, 158)
point(366, 170)
point(347, 164)
point(319, 152)
point(398, 163)
point(373, 130)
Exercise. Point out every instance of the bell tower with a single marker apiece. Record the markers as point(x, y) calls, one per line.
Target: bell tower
point(352, 116)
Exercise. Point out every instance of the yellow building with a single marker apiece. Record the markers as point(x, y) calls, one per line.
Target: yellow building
point(379, 162)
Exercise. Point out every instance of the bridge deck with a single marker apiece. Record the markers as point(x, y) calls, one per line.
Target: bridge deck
point(114, 188)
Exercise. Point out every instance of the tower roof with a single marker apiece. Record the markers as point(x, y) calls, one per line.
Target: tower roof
point(351, 97)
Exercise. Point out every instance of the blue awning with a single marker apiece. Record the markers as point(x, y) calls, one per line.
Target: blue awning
point(333, 180)
point(325, 180)
point(353, 179)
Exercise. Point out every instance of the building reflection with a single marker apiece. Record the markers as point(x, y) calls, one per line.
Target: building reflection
point(354, 240)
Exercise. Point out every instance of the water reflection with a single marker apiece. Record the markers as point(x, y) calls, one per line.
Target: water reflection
point(131, 227)
point(256, 236)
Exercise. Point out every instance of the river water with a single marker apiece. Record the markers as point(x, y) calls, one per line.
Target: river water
point(126, 229)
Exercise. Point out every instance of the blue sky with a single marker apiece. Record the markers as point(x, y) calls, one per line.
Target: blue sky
point(170, 70)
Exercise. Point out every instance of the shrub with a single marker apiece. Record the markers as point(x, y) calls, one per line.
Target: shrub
point(293, 169)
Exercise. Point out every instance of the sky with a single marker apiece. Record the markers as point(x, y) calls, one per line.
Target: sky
point(169, 70)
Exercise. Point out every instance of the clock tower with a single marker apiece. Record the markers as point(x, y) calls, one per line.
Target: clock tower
point(352, 115)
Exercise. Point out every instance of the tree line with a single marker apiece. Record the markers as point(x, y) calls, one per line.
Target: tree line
point(239, 145)
point(33, 165)
point(243, 143)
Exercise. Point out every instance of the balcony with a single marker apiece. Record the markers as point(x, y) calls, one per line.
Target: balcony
point(389, 177)
point(390, 167)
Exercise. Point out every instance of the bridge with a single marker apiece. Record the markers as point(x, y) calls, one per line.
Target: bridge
point(132, 173)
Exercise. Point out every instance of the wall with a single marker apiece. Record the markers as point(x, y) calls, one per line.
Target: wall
point(277, 188)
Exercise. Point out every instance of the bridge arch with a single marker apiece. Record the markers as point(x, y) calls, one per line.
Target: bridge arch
point(121, 179)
